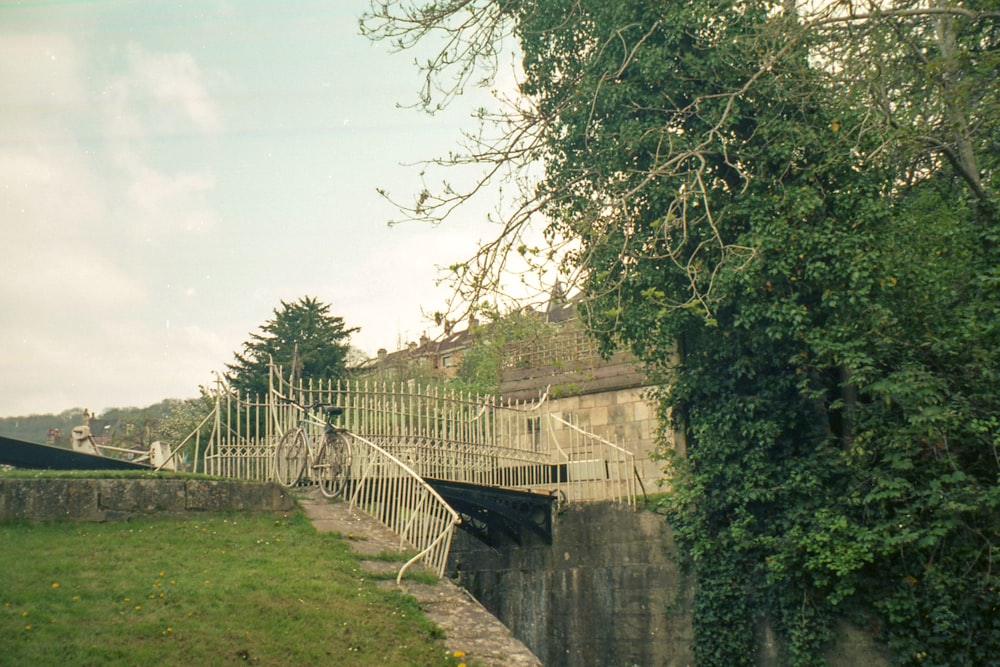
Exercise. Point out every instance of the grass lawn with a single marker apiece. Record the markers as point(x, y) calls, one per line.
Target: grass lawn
point(210, 590)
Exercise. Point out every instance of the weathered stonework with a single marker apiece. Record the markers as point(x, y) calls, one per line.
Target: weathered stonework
point(608, 591)
point(141, 496)
point(117, 499)
point(624, 416)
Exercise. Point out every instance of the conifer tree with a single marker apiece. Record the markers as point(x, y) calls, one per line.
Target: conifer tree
point(303, 338)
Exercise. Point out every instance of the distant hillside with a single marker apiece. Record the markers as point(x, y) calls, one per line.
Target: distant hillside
point(36, 428)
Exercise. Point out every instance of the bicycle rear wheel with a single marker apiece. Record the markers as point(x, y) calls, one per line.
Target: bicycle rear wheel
point(333, 465)
point(290, 457)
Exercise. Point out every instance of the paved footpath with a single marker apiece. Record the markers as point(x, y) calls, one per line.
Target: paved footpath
point(467, 625)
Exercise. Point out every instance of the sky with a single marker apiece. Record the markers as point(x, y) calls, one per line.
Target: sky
point(171, 170)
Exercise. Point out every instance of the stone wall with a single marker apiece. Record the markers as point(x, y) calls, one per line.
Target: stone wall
point(624, 416)
point(603, 396)
point(608, 591)
point(119, 499)
point(572, 376)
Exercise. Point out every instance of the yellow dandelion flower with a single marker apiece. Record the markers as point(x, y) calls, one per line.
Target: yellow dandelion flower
point(27, 627)
point(24, 613)
point(459, 654)
point(138, 607)
point(55, 584)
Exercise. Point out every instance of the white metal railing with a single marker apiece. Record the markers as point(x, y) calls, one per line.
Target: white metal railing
point(406, 410)
point(405, 433)
point(458, 462)
point(170, 461)
point(242, 441)
point(596, 468)
point(440, 434)
point(395, 494)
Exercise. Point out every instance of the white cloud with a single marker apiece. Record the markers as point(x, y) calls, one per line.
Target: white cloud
point(40, 76)
point(110, 364)
point(122, 186)
point(159, 92)
point(48, 192)
point(77, 324)
point(174, 81)
point(57, 269)
point(165, 203)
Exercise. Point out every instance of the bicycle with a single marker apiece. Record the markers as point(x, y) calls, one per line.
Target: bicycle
point(329, 460)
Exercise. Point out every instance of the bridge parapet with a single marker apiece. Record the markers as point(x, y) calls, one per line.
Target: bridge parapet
point(474, 438)
point(425, 432)
point(454, 436)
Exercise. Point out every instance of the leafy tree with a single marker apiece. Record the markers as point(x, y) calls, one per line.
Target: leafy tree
point(303, 338)
point(789, 213)
point(482, 363)
point(134, 427)
point(180, 422)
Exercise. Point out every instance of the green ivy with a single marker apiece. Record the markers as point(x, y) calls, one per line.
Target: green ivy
point(838, 380)
point(788, 212)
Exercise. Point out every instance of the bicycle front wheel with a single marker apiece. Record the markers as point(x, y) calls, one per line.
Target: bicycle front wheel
point(333, 465)
point(290, 457)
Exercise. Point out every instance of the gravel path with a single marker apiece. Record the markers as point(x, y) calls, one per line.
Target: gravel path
point(468, 627)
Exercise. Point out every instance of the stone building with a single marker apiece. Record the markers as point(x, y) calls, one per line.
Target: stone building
point(562, 367)
point(438, 358)
point(606, 397)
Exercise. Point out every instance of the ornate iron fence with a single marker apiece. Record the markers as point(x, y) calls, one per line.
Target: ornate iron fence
point(406, 433)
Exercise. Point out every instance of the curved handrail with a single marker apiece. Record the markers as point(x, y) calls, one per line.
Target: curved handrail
point(432, 547)
point(594, 436)
point(623, 456)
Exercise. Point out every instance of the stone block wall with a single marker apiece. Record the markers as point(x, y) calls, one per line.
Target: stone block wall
point(118, 499)
point(609, 591)
point(624, 416)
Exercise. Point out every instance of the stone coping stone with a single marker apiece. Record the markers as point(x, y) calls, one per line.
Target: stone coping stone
point(120, 499)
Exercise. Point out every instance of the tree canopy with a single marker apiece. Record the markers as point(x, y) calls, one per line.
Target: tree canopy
point(303, 338)
point(797, 201)
point(482, 364)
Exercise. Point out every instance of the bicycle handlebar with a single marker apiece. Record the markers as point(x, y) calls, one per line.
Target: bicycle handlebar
point(329, 408)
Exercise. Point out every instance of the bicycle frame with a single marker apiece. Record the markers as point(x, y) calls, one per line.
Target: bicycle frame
point(327, 461)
